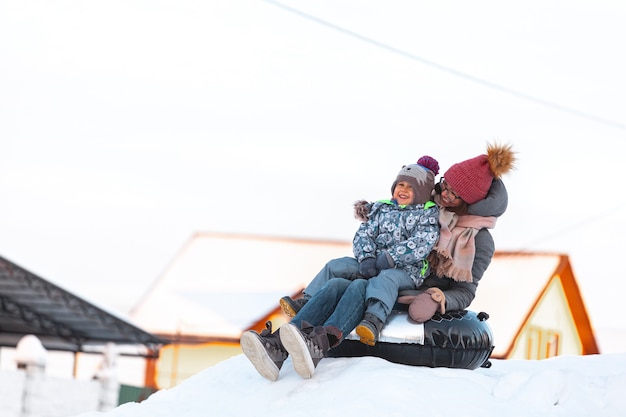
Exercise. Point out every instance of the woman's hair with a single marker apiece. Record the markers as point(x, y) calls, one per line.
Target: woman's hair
point(461, 209)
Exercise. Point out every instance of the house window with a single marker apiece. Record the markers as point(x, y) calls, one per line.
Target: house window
point(553, 344)
point(542, 343)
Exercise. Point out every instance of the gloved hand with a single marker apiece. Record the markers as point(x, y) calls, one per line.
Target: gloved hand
point(426, 304)
point(367, 268)
point(384, 261)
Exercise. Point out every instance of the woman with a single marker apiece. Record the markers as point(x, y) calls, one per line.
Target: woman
point(471, 196)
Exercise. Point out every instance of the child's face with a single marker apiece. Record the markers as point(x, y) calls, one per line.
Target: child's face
point(403, 193)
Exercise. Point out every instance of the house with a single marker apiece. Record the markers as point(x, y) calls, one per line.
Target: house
point(535, 306)
point(220, 285)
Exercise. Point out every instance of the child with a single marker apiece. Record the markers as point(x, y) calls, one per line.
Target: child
point(393, 244)
point(347, 267)
point(390, 250)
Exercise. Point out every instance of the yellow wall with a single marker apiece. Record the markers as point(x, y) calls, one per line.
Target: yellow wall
point(179, 362)
point(550, 330)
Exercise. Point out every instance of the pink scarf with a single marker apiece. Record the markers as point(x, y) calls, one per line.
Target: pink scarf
point(453, 255)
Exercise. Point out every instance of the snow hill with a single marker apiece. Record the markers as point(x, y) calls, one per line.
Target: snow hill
point(567, 386)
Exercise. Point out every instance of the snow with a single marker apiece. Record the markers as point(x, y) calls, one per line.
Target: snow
point(30, 351)
point(562, 386)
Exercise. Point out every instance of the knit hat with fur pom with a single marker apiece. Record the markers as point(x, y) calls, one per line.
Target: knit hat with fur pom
point(471, 179)
point(421, 177)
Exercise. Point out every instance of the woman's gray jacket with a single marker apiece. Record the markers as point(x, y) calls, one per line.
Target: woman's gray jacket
point(459, 295)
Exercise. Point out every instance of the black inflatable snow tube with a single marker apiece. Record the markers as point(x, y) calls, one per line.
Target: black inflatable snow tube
point(458, 339)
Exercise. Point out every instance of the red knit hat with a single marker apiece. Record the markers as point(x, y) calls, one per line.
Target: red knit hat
point(471, 179)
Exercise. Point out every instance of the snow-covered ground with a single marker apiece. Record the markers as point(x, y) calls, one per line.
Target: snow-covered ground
point(563, 386)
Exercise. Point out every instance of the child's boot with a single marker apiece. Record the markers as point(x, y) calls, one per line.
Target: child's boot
point(369, 329)
point(265, 351)
point(307, 346)
point(290, 306)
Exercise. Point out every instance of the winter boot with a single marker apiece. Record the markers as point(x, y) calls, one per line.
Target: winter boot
point(308, 346)
point(290, 306)
point(265, 351)
point(369, 329)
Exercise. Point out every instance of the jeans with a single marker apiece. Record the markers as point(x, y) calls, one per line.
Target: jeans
point(382, 291)
point(346, 267)
point(339, 303)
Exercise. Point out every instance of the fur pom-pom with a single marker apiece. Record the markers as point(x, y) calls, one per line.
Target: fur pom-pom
point(361, 210)
point(430, 163)
point(501, 159)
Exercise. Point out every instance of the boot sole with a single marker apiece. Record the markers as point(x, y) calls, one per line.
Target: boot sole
point(366, 335)
point(255, 351)
point(287, 308)
point(296, 346)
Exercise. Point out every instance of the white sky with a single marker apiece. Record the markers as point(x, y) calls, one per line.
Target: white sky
point(126, 126)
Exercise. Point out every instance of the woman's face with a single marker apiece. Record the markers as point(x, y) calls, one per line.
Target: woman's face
point(449, 198)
